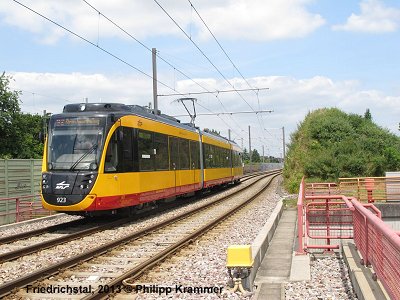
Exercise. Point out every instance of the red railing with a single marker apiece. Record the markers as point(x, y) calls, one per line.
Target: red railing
point(332, 217)
point(379, 246)
point(328, 218)
point(300, 218)
point(322, 217)
point(22, 208)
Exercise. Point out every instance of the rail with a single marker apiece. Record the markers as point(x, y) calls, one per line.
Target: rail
point(22, 208)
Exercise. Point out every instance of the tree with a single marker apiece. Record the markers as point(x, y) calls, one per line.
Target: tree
point(255, 156)
point(9, 109)
point(330, 144)
point(246, 156)
point(215, 132)
point(367, 115)
point(27, 128)
point(18, 131)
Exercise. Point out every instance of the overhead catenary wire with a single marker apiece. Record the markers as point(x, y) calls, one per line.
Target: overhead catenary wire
point(159, 56)
point(105, 51)
point(212, 92)
point(219, 44)
point(233, 64)
point(201, 51)
point(93, 44)
point(209, 60)
point(143, 45)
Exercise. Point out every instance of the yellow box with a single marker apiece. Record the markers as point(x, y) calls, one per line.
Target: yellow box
point(239, 256)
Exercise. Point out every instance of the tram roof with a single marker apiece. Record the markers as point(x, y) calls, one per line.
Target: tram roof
point(120, 109)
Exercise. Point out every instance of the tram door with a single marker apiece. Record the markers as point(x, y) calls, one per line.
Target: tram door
point(174, 159)
point(112, 181)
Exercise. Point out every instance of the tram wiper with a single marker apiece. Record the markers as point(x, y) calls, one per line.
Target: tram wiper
point(89, 151)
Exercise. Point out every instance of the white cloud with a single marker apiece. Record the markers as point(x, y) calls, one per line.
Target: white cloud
point(257, 20)
point(290, 98)
point(375, 17)
point(261, 20)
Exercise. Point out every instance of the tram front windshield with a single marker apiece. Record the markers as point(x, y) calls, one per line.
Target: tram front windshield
point(75, 143)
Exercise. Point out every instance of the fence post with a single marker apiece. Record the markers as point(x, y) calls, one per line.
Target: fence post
point(328, 231)
point(367, 262)
point(300, 220)
point(17, 209)
point(369, 186)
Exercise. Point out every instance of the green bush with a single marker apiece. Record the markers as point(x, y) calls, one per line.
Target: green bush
point(330, 144)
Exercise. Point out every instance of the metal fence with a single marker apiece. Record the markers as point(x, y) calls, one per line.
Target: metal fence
point(18, 177)
point(21, 208)
point(327, 218)
point(324, 217)
point(371, 189)
point(379, 246)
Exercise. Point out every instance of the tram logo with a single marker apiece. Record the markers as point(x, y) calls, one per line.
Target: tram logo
point(62, 185)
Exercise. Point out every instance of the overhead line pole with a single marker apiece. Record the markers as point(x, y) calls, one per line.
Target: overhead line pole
point(284, 146)
point(154, 62)
point(249, 144)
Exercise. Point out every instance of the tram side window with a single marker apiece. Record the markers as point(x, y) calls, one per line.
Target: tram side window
point(236, 159)
point(184, 156)
point(127, 150)
point(205, 156)
point(161, 148)
point(208, 156)
point(218, 156)
point(215, 159)
point(194, 155)
point(173, 153)
point(227, 160)
point(146, 151)
point(111, 160)
point(222, 158)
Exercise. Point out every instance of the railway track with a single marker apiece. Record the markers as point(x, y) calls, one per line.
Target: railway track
point(48, 229)
point(253, 175)
point(55, 235)
point(14, 246)
point(128, 259)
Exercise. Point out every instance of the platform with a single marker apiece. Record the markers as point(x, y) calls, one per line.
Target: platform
point(280, 264)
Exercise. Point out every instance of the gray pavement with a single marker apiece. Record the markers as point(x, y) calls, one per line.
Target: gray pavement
point(276, 265)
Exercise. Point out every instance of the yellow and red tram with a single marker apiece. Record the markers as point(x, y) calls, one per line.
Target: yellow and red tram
point(106, 157)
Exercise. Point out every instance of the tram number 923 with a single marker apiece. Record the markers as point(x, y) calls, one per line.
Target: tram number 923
point(61, 199)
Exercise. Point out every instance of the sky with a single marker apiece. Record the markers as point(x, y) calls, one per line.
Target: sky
point(296, 55)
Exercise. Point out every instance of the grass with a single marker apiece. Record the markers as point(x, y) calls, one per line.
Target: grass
point(289, 203)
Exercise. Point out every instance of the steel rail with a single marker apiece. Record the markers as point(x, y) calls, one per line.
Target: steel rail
point(59, 240)
point(28, 234)
point(149, 263)
point(8, 287)
point(255, 174)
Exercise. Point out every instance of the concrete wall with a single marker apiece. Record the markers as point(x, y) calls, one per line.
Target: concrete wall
point(262, 167)
point(18, 177)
